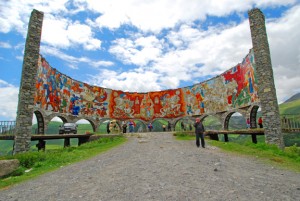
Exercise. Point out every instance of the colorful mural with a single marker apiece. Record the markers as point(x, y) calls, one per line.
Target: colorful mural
point(235, 88)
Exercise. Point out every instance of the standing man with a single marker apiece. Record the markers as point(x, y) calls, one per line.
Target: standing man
point(169, 126)
point(199, 129)
point(260, 122)
point(124, 126)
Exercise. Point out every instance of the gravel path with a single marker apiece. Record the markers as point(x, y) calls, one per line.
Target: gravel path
point(155, 166)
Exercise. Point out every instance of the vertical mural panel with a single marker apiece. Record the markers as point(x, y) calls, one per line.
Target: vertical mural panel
point(234, 88)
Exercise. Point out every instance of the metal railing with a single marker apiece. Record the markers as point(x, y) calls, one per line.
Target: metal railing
point(290, 123)
point(7, 127)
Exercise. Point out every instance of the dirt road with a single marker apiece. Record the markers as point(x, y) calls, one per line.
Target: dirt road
point(155, 166)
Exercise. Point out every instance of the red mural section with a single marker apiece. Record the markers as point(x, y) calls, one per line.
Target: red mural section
point(58, 93)
point(147, 106)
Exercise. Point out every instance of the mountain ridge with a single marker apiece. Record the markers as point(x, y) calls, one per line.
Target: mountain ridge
point(293, 98)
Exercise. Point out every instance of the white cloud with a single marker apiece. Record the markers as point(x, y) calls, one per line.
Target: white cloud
point(8, 100)
point(5, 45)
point(63, 33)
point(139, 51)
point(72, 60)
point(156, 15)
point(127, 81)
point(178, 58)
point(284, 37)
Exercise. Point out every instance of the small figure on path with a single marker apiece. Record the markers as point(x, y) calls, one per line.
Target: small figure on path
point(248, 123)
point(131, 126)
point(164, 127)
point(124, 127)
point(260, 122)
point(169, 126)
point(150, 127)
point(199, 129)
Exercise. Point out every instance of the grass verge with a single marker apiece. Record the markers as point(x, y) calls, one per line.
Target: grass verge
point(271, 154)
point(33, 164)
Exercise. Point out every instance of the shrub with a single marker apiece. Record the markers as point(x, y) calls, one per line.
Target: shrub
point(28, 159)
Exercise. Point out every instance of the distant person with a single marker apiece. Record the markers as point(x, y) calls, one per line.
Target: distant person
point(107, 127)
point(164, 127)
point(124, 127)
point(150, 127)
point(199, 129)
point(131, 126)
point(260, 122)
point(182, 126)
point(169, 126)
point(191, 127)
point(248, 123)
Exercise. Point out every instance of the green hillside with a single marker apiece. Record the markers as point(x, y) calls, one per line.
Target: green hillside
point(291, 108)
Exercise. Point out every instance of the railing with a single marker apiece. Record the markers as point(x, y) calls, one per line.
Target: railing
point(290, 123)
point(7, 127)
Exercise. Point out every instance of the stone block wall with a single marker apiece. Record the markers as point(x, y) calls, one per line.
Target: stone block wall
point(264, 72)
point(28, 80)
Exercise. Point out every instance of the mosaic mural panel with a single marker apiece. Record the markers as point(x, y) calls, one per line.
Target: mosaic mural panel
point(235, 88)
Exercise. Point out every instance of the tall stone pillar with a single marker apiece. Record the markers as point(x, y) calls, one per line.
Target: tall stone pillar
point(27, 85)
point(264, 72)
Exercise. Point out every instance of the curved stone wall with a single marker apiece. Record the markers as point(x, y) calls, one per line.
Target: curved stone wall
point(58, 93)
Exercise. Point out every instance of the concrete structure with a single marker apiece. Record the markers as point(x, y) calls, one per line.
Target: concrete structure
point(241, 89)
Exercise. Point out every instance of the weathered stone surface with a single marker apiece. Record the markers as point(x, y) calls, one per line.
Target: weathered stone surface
point(8, 166)
point(28, 79)
point(264, 73)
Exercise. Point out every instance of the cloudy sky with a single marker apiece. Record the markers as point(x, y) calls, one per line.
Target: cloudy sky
point(142, 45)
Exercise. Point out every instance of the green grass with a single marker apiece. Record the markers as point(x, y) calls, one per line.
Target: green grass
point(42, 162)
point(290, 108)
point(271, 154)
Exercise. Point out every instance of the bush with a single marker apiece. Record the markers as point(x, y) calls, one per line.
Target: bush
point(28, 159)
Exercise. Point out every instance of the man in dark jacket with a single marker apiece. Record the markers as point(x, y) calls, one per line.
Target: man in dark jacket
point(199, 129)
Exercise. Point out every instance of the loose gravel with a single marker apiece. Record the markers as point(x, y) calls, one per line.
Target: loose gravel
point(155, 166)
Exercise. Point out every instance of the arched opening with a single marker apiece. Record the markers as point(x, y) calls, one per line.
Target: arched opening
point(160, 125)
point(236, 121)
point(255, 114)
point(85, 126)
point(211, 123)
point(38, 123)
point(108, 126)
point(184, 124)
point(53, 125)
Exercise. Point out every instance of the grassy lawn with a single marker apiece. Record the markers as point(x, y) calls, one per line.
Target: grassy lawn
point(41, 162)
point(287, 159)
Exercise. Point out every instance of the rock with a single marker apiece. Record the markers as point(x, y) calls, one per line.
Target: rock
point(8, 166)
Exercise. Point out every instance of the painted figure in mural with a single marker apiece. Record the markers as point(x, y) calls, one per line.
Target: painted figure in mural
point(248, 123)
point(169, 126)
point(189, 110)
point(150, 127)
point(260, 122)
point(199, 130)
point(124, 126)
